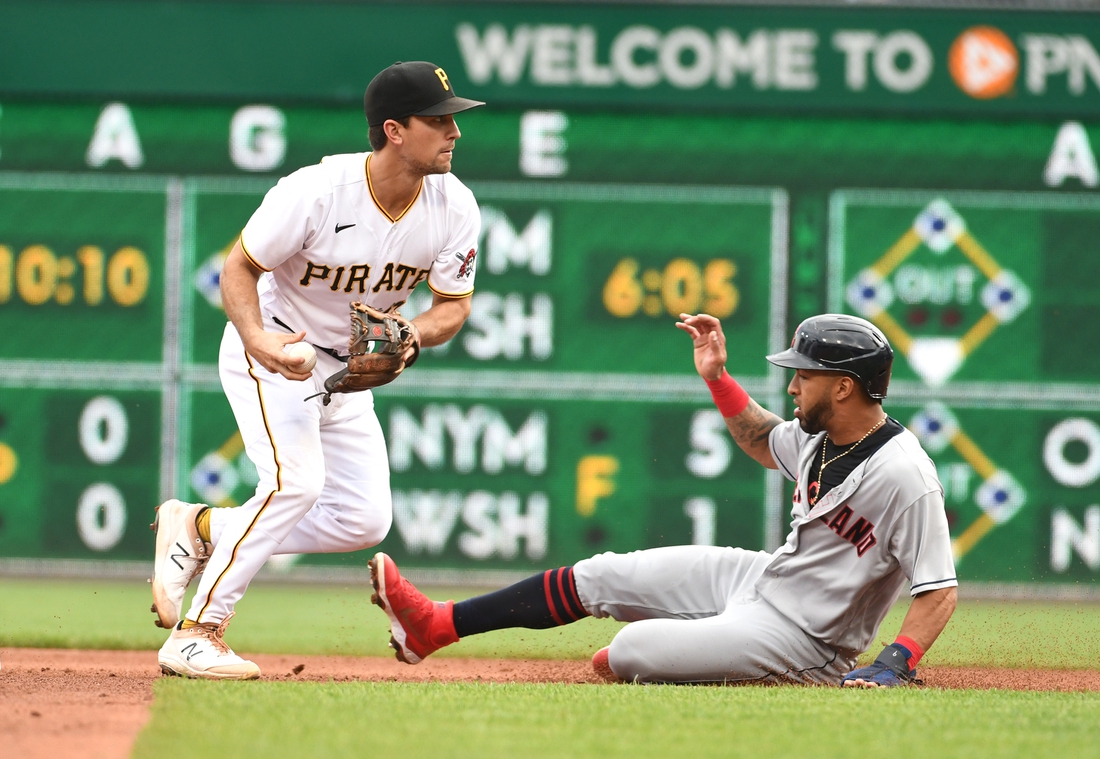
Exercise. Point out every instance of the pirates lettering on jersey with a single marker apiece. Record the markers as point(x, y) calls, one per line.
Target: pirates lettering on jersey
point(394, 277)
point(320, 271)
point(357, 275)
point(860, 534)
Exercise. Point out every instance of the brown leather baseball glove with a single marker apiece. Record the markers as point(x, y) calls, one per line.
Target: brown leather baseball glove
point(377, 347)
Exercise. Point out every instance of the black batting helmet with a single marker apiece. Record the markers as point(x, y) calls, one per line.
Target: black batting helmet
point(841, 343)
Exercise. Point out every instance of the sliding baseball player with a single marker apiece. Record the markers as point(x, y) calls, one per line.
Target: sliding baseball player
point(867, 520)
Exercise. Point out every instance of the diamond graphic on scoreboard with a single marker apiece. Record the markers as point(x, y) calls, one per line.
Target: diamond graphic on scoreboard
point(1005, 296)
point(935, 359)
point(935, 426)
point(939, 226)
point(208, 279)
point(214, 478)
point(220, 472)
point(870, 293)
point(1001, 496)
point(937, 282)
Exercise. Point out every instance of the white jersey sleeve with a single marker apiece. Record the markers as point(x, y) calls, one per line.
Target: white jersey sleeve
point(452, 274)
point(785, 441)
point(921, 543)
point(288, 219)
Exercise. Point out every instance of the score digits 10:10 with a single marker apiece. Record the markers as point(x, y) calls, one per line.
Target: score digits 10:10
point(38, 276)
point(683, 286)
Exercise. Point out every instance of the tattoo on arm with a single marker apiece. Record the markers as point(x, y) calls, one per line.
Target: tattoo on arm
point(751, 429)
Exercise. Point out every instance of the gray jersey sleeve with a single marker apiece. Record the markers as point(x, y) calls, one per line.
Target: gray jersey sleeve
point(922, 545)
point(785, 441)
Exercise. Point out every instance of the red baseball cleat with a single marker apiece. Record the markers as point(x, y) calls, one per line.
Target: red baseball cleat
point(419, 626)
point(602, 665)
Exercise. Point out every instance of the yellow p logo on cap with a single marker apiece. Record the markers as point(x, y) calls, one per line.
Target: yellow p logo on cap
point(443, 78)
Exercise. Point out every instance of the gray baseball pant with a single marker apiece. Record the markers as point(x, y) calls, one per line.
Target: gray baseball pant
point(696, 618)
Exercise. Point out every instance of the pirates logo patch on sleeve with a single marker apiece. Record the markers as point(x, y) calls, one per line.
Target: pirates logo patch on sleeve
point(467, 267)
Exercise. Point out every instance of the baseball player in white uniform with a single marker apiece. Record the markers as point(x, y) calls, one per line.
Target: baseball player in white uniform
point(868, 516)
point(365, 227)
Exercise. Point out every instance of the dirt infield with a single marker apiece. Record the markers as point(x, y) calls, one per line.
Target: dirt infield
point(92, 704)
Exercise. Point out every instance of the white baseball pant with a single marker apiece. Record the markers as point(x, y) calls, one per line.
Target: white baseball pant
point(696, 618)
point(324, 476)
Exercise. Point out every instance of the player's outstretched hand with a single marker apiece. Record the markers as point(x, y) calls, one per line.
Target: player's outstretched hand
point(267, 348)
point(710, 343)
point(889, 670)
point(877, 675)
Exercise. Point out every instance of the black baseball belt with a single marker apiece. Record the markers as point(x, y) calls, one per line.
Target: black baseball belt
point(330, 351)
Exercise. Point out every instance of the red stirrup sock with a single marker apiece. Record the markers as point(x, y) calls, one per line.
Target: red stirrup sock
point(545, 600)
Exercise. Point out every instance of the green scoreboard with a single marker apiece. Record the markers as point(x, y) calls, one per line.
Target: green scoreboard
point(941, 183)
point(565, 418)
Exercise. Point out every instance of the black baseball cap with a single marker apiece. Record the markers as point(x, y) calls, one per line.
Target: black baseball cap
point(413, 88)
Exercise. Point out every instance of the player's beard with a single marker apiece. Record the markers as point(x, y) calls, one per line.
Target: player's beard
point(423, 169)
point(815, 418)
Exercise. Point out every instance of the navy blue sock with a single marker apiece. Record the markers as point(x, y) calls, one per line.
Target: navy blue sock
point(545, 600)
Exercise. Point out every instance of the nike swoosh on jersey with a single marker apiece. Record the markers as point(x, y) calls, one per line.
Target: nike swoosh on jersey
point(340, 229)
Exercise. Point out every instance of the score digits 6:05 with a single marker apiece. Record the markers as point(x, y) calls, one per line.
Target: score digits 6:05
point(39, 276)
point(681, 287)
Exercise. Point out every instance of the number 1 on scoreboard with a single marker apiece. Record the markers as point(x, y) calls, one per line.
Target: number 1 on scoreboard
point(91, 258)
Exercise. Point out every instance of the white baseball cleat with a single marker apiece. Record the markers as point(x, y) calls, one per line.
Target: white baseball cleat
point(200, 651)
point(180, 555)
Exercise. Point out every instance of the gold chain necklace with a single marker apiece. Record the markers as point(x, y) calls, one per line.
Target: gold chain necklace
point(824, 463)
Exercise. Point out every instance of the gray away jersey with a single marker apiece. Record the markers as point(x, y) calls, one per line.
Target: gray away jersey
point(846, 560)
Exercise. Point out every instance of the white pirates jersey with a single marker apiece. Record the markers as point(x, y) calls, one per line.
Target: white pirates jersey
point(324, 241)
point(847, 558)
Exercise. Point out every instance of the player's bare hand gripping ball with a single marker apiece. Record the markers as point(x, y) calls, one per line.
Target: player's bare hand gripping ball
point(710, 343)
point(306, 352)
point(268, 349)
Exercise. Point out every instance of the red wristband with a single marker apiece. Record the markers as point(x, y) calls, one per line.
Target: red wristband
point(914, 649)
point(730, 398)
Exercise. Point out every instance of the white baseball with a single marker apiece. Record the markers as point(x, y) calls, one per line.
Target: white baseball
point(304, 350)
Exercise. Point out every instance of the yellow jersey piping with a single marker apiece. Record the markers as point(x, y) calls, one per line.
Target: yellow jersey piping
point(370, 188)
point(267, 501)
point(249, 256)
point(466, 294)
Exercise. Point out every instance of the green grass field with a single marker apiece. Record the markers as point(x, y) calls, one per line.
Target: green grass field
point(472, 720)
point(311, 619)
point(284, 719)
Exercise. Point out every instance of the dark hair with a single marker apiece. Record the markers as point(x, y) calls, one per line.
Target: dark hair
point(377, 134)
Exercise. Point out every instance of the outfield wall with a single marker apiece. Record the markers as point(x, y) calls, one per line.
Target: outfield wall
point(932, 170)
